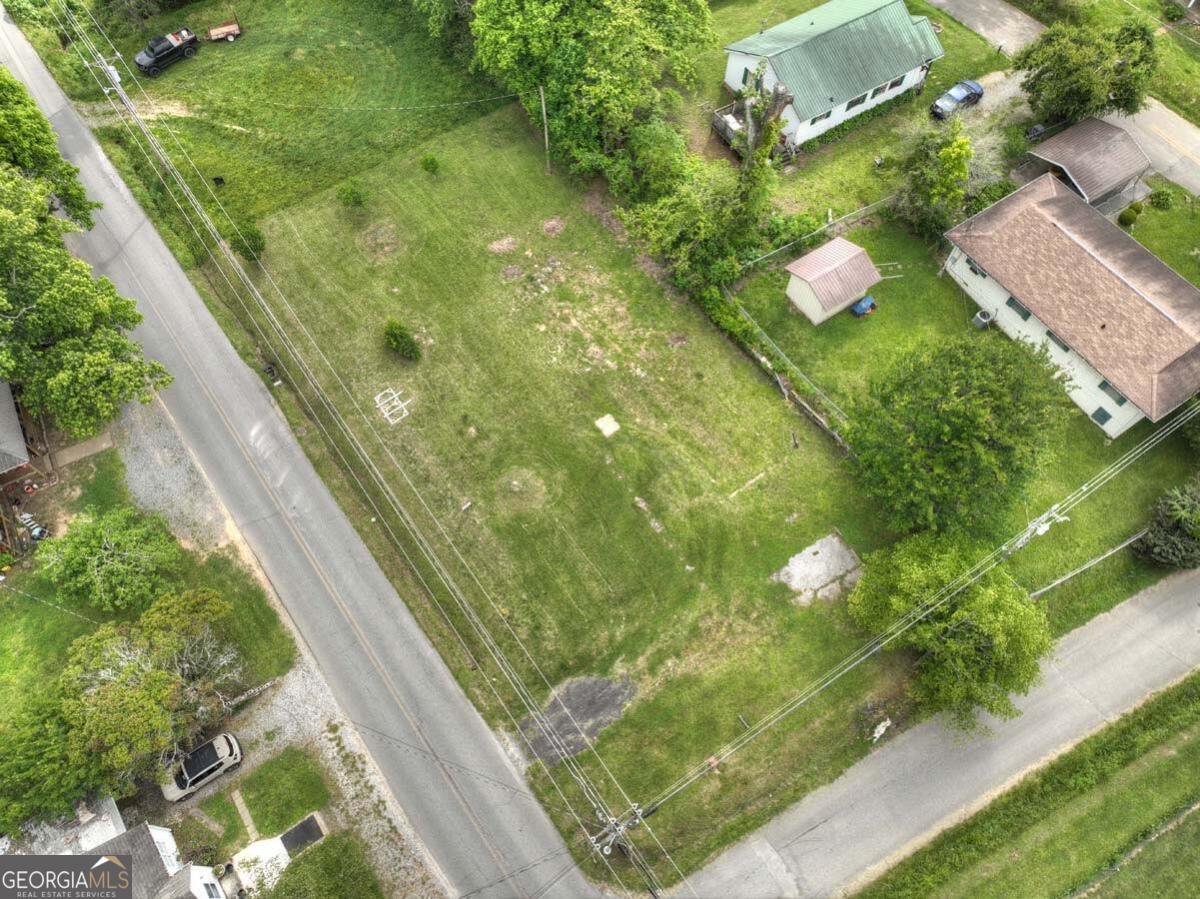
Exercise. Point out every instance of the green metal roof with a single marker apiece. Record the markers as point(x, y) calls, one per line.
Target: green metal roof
point(843, 49)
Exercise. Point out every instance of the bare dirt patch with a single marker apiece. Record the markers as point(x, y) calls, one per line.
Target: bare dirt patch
point(521, 490)
point(512, 272)
point(579, 709)
point(503, 245)
point(554, 226)
point(380, 240)
point(596, 201)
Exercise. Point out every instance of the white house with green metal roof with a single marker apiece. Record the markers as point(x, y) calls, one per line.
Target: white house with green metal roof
point(837, 61)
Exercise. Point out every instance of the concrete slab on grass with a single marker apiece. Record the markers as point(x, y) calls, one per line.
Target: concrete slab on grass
point(825, 570)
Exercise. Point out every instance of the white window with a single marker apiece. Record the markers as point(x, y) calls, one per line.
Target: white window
point(822, 117)
point(857, 101)
point(879, 90)
point(895, 84)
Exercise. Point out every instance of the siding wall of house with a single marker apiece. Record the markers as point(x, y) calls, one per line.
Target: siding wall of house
point(797, 131)
point(1085, 381)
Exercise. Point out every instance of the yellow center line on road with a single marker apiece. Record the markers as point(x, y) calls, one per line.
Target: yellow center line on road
point(1174, 142)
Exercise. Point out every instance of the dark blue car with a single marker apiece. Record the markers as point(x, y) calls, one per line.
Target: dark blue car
point(965, 93)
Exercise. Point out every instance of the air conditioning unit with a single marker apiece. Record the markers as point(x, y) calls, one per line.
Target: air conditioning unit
point(982, 319)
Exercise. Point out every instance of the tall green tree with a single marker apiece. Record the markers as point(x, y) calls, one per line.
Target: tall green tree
point(974, 650)
point(1173, 536)
point(134, 694)
point(953, 431)
point(63, 334)
point(120, 559)
point(1075, 71)
point(27, 143)
point(934, 194)
point(601, 63)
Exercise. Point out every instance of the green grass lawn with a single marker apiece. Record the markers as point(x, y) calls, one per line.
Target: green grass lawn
point(1177, 81)
point(647, 554)
point(335, 868)
point(284, 789)
point(918, 306)
point(37, 629)
point(842, 175)
point(1169, 866)
point(233, 832)
point(1061, 827)
point(1172, 234)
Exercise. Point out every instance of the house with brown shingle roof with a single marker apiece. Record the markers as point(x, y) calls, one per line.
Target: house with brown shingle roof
point(831, 278)
point(1099, 161)
point(1052, 270)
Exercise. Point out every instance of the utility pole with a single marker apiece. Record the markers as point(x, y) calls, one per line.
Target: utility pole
point(545, 126)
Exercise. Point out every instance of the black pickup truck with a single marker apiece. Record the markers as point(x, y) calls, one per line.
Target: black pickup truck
point(162, 51)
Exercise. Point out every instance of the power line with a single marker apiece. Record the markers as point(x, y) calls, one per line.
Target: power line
point(444, 574)
point(423, 545)
point(1038, 527)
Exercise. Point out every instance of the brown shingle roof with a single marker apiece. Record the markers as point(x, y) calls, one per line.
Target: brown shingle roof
point(1097, 156)
point(839, 272)
point(1118, 305)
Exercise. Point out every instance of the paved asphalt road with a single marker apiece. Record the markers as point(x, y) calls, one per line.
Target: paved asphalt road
point(1171, 141)
point(927, 778)
point(474, 815)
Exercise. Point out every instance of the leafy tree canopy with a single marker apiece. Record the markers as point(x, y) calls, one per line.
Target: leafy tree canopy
point(134, 694)
point(600, 61)
point(27, 143)
point(955, 427)
point(1076, 71)
point(974, 650)
point(932, 199)
point(63, 332)
point(120, 559)
point(1173, 537)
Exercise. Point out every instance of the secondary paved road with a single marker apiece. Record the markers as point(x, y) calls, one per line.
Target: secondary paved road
point(1171, 141)
point(926, 779)
point(474, 814)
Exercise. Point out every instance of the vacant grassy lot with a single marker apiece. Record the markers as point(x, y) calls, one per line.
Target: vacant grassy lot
point(1061, 827)
point(284, 789)
point(1177, 82)
point(645, 555)
point(841, 175)
point(36, 630)
point(844, 353)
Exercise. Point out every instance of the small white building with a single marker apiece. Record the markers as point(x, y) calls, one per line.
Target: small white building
point(831, 278)
point(837, 61)
point(1052, 270)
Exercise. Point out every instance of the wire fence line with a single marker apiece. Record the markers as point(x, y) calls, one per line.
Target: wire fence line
point(863, 210)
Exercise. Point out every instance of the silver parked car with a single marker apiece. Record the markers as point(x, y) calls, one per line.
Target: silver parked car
point(202, 765)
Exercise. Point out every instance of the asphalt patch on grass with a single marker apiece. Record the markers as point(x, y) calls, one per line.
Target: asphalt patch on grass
point(592, 702)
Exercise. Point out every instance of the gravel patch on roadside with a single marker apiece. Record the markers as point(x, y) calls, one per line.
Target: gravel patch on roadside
point(300, 711)
point(163, 477)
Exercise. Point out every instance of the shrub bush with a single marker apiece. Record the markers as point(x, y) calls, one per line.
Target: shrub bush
point(1161, 198)
point(352, 194)
point(1137, 206)
point(1174, 534)
point(1172, 11)
point(431, 163)
point(400, 341)
point(249, 242)
point(1127, 217)
point(987, 195)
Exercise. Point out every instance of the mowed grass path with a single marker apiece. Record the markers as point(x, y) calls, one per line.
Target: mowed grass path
point(647, 554)
point(917, 307)
point(841, 175)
